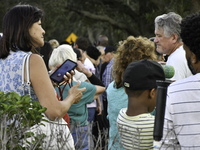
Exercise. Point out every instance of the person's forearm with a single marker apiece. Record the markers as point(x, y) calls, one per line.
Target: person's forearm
point(92, 78)
point(66, 104)
point(87, 72)
point(96, 81)
point(98, 102)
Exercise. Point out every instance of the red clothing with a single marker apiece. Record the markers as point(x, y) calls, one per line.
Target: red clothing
point(66, 116)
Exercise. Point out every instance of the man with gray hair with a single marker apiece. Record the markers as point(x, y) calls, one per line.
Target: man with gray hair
point(168, 41)
point(181, 129)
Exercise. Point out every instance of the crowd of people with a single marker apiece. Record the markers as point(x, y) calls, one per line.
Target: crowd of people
point(112, 92)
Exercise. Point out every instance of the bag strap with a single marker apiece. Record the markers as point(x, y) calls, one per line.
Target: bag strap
point(28, 74)
point(26, 59)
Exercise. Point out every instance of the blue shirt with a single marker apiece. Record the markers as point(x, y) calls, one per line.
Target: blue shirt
point(117, 99)
point(107, 76)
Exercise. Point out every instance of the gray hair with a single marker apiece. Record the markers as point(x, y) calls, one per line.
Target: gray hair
point(62, 53)
point(170, 23)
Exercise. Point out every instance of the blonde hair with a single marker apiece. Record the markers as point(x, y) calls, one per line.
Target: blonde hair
point(60, 54)
point(54, 43)
point(131, 49)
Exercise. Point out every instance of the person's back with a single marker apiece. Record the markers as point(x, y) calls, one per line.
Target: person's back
point(78, 112)
point(168, 41)
point(135, 123)
point(181, 125)
point(107, 78)
point(108, 57)
point(117, 99)
point(136, 132)
point(11, 74)
point(183, 104)
point(93, 55)
point(177, 60)
point(116, 96)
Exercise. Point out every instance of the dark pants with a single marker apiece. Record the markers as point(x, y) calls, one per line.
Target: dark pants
point(101, 124)
point(91, 114)
point(105, 113)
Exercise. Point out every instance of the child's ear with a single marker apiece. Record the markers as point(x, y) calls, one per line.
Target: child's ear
point(152, 93)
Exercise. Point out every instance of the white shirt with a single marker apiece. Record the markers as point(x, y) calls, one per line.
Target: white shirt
point(182, 115)
point(89, 65)
point(136, 132)
point(79, 76)
point(178, 60)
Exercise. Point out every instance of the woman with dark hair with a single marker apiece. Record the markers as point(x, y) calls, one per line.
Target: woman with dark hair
point(22, 34)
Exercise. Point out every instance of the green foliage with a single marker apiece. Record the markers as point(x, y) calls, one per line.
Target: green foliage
point(115, 18)
point(17, 115)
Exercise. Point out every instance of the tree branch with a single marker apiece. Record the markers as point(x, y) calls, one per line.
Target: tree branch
point(106, 19)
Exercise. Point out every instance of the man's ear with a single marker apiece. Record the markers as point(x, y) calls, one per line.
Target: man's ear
point(152, 93)
point(174, 38)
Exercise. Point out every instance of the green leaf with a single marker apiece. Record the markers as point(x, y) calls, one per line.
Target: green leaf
point(19, 113)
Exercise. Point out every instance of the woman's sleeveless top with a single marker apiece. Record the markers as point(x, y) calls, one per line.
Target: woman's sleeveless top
point(11, 74)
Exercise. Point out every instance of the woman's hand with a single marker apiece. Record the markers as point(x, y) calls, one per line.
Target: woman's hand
point(68, 77)
point(76, 93)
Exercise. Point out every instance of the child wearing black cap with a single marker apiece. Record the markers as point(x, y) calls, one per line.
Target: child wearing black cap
point(135, 123)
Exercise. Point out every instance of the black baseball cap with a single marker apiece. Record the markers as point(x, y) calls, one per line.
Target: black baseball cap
point(109, 48)
point(142, 75)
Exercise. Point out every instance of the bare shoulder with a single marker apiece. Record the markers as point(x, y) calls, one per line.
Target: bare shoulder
point(36, 62)
point(35, 58)
point(37, 65)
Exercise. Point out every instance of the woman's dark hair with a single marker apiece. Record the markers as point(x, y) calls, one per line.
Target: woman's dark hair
point(78, 53)
point(16, 25)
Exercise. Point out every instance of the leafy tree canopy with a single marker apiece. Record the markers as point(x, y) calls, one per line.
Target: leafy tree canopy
point(115, 18)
